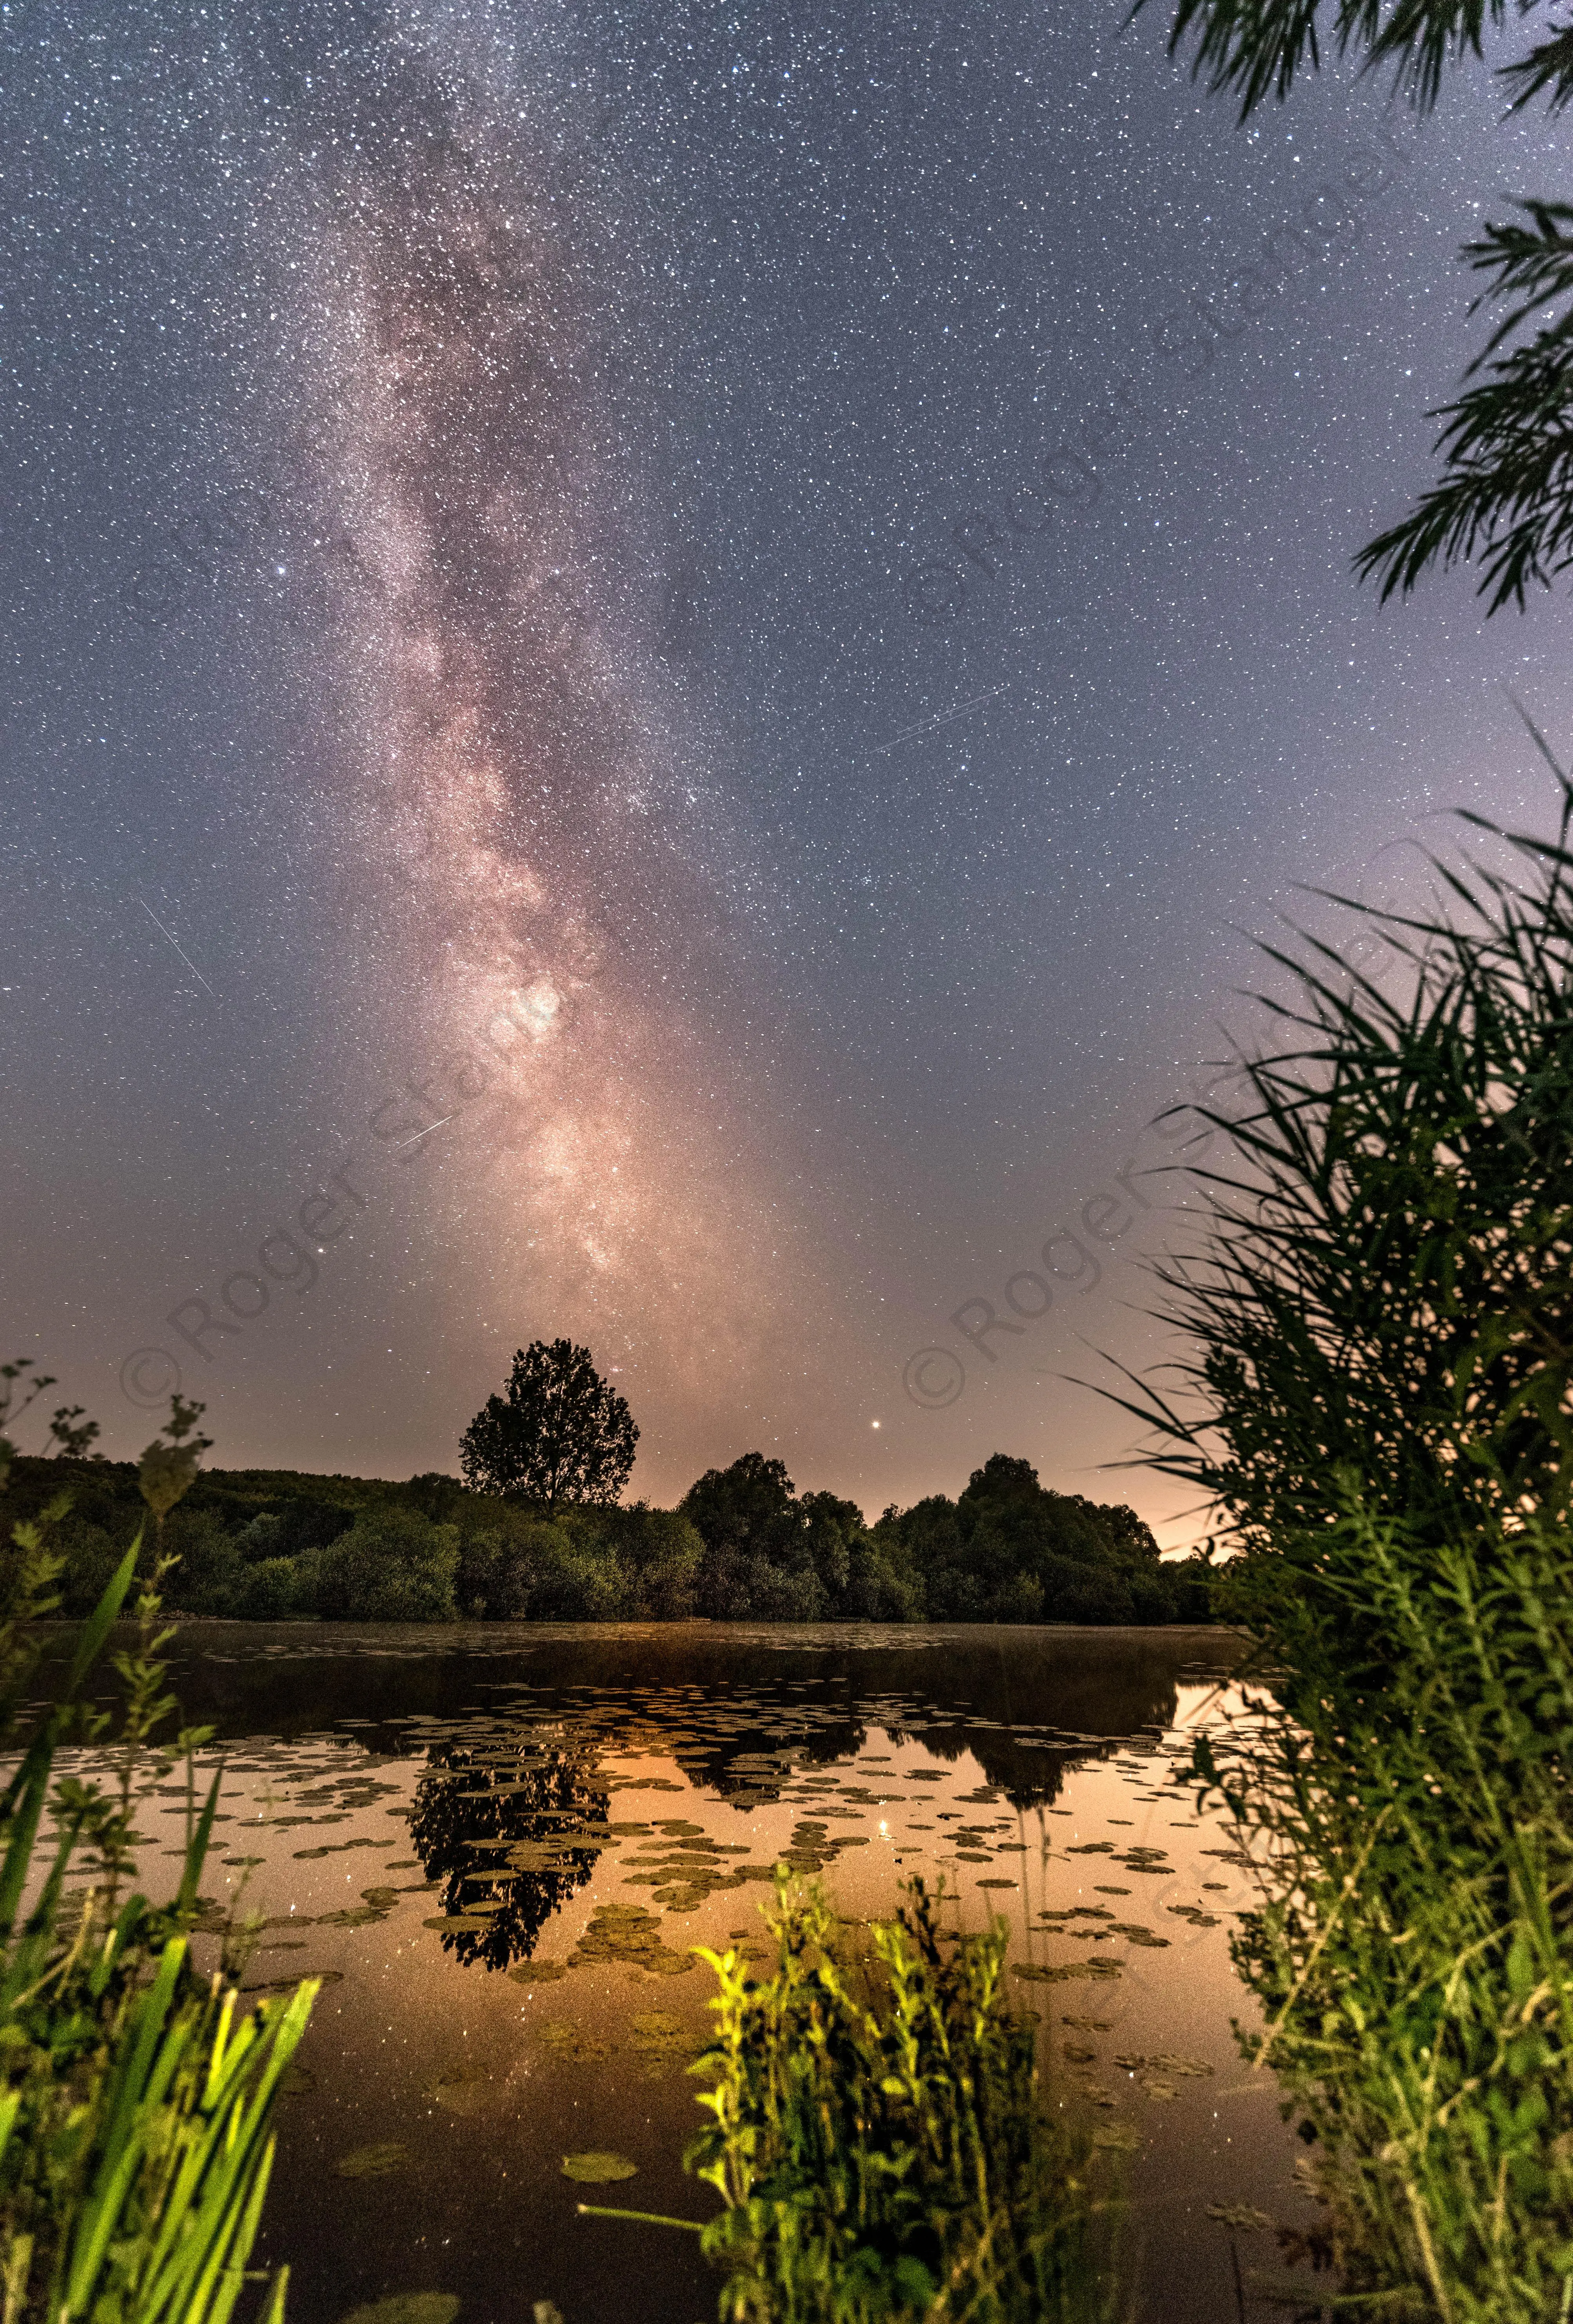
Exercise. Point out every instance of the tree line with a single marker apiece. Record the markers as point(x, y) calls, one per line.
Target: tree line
point(536, 1531)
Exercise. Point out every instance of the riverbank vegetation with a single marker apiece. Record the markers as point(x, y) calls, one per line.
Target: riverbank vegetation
point(742, 1545)
point(1381, 1409)
point(136, 2095)
point(879, 2135)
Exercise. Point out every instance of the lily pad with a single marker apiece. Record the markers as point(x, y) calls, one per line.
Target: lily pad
point(1242, 2216)
point(537, 1972)
point(379, 2162)
point(597, 2168)
point(464, 2088)
point(408, 2308)
point(570, 2042)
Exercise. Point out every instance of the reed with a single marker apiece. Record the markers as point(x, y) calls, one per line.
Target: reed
point(1378, 1410)
point(136, 2095)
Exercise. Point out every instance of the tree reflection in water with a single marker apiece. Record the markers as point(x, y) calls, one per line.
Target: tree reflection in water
point(500, 1832)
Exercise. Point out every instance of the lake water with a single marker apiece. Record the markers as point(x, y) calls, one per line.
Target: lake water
point(497, 1842)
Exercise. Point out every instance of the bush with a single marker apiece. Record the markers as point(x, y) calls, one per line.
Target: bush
point(883, 1582)
point(209, 1569)
point(266, 1592)
point(659, 1555)
point(89, 1556)
point(391, 1566)
point(492, 1580)
point(566, 1574)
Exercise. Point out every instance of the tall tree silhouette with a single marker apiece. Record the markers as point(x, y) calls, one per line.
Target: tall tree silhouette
point(559, 1433)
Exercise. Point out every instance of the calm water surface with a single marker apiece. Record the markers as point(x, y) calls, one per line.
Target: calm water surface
point(497, 1843)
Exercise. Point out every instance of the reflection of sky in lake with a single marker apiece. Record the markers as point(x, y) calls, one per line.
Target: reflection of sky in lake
point(499, 1845)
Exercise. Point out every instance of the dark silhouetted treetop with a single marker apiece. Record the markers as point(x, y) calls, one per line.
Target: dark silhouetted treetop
point(560, 1433)
point(749, 1507)
point(1505, 496)
point(1252, 49)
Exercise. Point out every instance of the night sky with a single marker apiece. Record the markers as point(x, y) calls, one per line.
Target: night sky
point(659, 663)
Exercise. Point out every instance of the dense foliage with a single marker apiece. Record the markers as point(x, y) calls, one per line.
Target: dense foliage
point(1381, 1406)
point(879, 2134)
point(558, 1432)
point(1008, 1550)
point(742, 1546)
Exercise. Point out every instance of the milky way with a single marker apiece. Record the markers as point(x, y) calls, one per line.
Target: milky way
point(525, 819)
point(465, 466)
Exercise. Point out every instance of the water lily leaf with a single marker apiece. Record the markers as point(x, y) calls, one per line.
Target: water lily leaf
point(462, 2089)
point(379, 2162)
point(570, 2042)
point(408, 2308)
point(597, 2168)
point(658, 2024)
point(1243, 2216)
point(545, 1972)
point(1033, 1972)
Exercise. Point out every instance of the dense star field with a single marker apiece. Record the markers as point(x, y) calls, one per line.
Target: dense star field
point(659, 662)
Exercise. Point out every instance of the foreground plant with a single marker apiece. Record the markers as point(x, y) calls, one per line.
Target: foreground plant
point(136, 2095)
point(879, 2135)
point(1380, 1407)
point(1504, 499)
